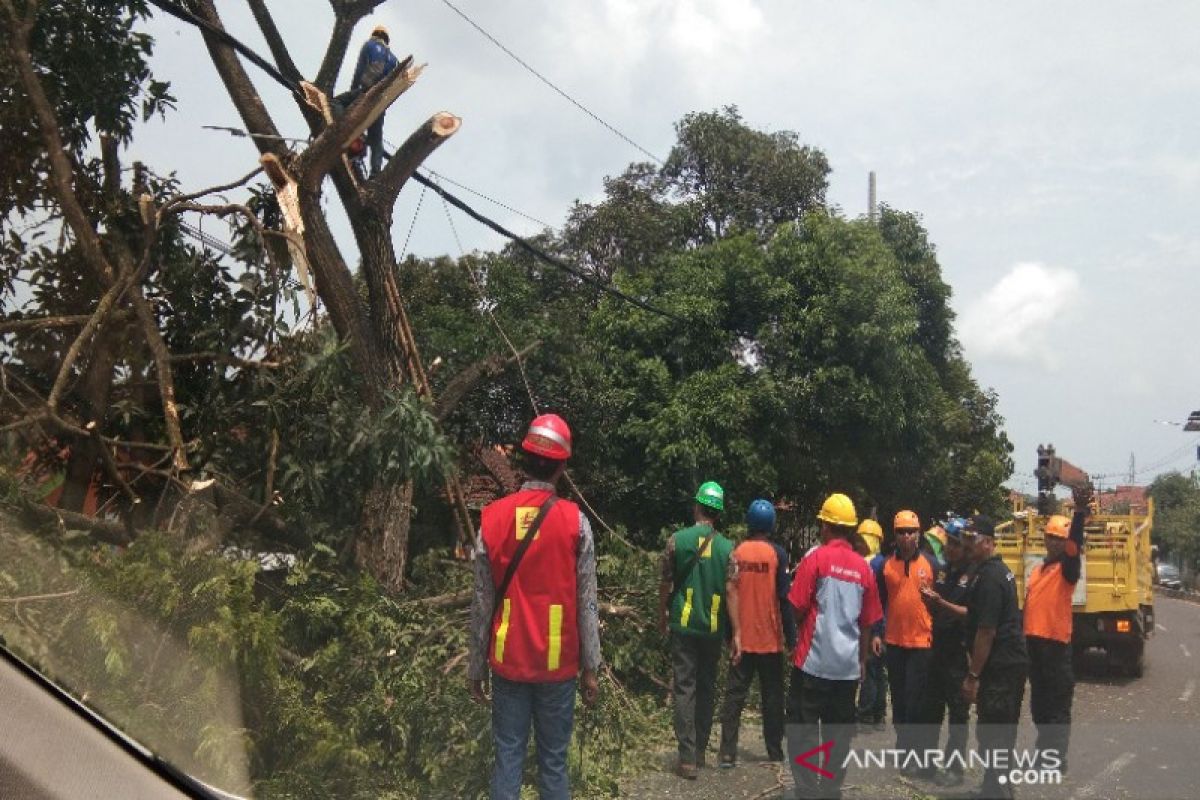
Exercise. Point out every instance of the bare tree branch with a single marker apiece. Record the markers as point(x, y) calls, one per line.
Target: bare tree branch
point(166, 380)
point(347, 16)
point(246, 100)
point(384, 189)
point(49, 323)
point(462, 383)
point(225, 187)
point(279, 51)
point(106, 304)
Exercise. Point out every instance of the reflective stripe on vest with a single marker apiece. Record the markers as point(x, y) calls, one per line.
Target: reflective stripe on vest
point(554, 651)
point(713, 620)
point(502, 632)
point(687, 609)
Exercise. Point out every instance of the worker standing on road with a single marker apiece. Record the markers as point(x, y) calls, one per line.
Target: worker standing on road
point(534, 617)
point(692, 606)
point(908, 627)
point(1048, 617)
point(948, 669)
point(837, 603)
point(872, 692)
point(757, 587)
point(375, 62)
point(996, 658)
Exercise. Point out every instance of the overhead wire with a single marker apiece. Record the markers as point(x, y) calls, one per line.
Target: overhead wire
point(549, 83)
point(483, 196)
point(537, 252)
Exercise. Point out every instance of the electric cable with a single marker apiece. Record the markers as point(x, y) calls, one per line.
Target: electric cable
point(549, 83)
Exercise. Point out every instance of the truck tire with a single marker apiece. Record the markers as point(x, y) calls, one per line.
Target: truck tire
point(1135, 663)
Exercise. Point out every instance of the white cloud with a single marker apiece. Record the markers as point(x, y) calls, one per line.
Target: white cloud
point(1015, 319)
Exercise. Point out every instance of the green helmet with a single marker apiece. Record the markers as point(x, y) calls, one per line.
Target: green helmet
point(712, 495)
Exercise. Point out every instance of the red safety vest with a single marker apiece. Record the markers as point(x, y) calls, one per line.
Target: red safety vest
point(535, 634)
point(1048, 611)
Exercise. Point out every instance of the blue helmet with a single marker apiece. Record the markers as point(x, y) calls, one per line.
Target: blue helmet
point(954, 527)
point(761, 516)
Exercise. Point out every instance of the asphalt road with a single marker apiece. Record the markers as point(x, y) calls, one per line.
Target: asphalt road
point(1131, 738)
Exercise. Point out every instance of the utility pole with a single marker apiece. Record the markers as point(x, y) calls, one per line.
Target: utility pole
point(1132, 469)
point(872, 208)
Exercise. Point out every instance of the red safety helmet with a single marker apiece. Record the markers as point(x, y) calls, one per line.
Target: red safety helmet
point(548, 437)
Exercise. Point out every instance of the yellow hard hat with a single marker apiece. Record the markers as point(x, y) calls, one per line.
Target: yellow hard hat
point(838, 509)
point(870, 527)
point(937, 532)
point(872, 534)
point(380, 29)
point(1058, 526)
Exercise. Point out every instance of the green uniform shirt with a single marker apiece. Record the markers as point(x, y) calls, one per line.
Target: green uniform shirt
point(698, 604)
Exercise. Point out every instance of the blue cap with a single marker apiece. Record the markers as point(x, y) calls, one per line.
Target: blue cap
point(954, 528)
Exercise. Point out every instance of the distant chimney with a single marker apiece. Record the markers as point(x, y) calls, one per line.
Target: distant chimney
point(872, 209)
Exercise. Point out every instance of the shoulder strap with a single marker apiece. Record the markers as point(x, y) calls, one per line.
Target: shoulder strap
point(520, 553)
point(686, 572)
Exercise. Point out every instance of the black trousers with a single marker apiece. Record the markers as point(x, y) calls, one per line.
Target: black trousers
point(695, 689)
point(1001, 692)
point(908, 673)
point(769, 668)
point(943, 697)
point(819, 711)
point(1051, 691)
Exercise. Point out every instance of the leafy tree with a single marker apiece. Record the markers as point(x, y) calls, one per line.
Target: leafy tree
point(1177, 516)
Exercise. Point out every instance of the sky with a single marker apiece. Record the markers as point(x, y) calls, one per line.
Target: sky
point(1052, 150)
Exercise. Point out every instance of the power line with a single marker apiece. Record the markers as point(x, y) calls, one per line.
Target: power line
point(549, 83)
point(537, 252)
point(483, 196)
point(181, 13)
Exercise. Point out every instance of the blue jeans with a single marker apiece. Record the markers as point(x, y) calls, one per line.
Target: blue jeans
point(551, 709)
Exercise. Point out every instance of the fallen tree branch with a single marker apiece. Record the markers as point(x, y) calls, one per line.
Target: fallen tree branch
point(462, 383)
point(34, 597)
point(102, 530)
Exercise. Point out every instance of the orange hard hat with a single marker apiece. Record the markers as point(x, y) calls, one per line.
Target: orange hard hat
point(548, 437)
point(906, 520)
point(1058, 526)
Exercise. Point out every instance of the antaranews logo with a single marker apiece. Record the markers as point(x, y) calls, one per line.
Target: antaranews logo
point(1018, 767)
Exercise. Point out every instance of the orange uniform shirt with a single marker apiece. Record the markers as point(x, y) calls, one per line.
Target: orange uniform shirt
point(1048, 603)
point(757, 597)
point(908, 621)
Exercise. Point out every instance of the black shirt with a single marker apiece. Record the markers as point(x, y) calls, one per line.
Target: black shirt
point(992, 603)
point(953, 584)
